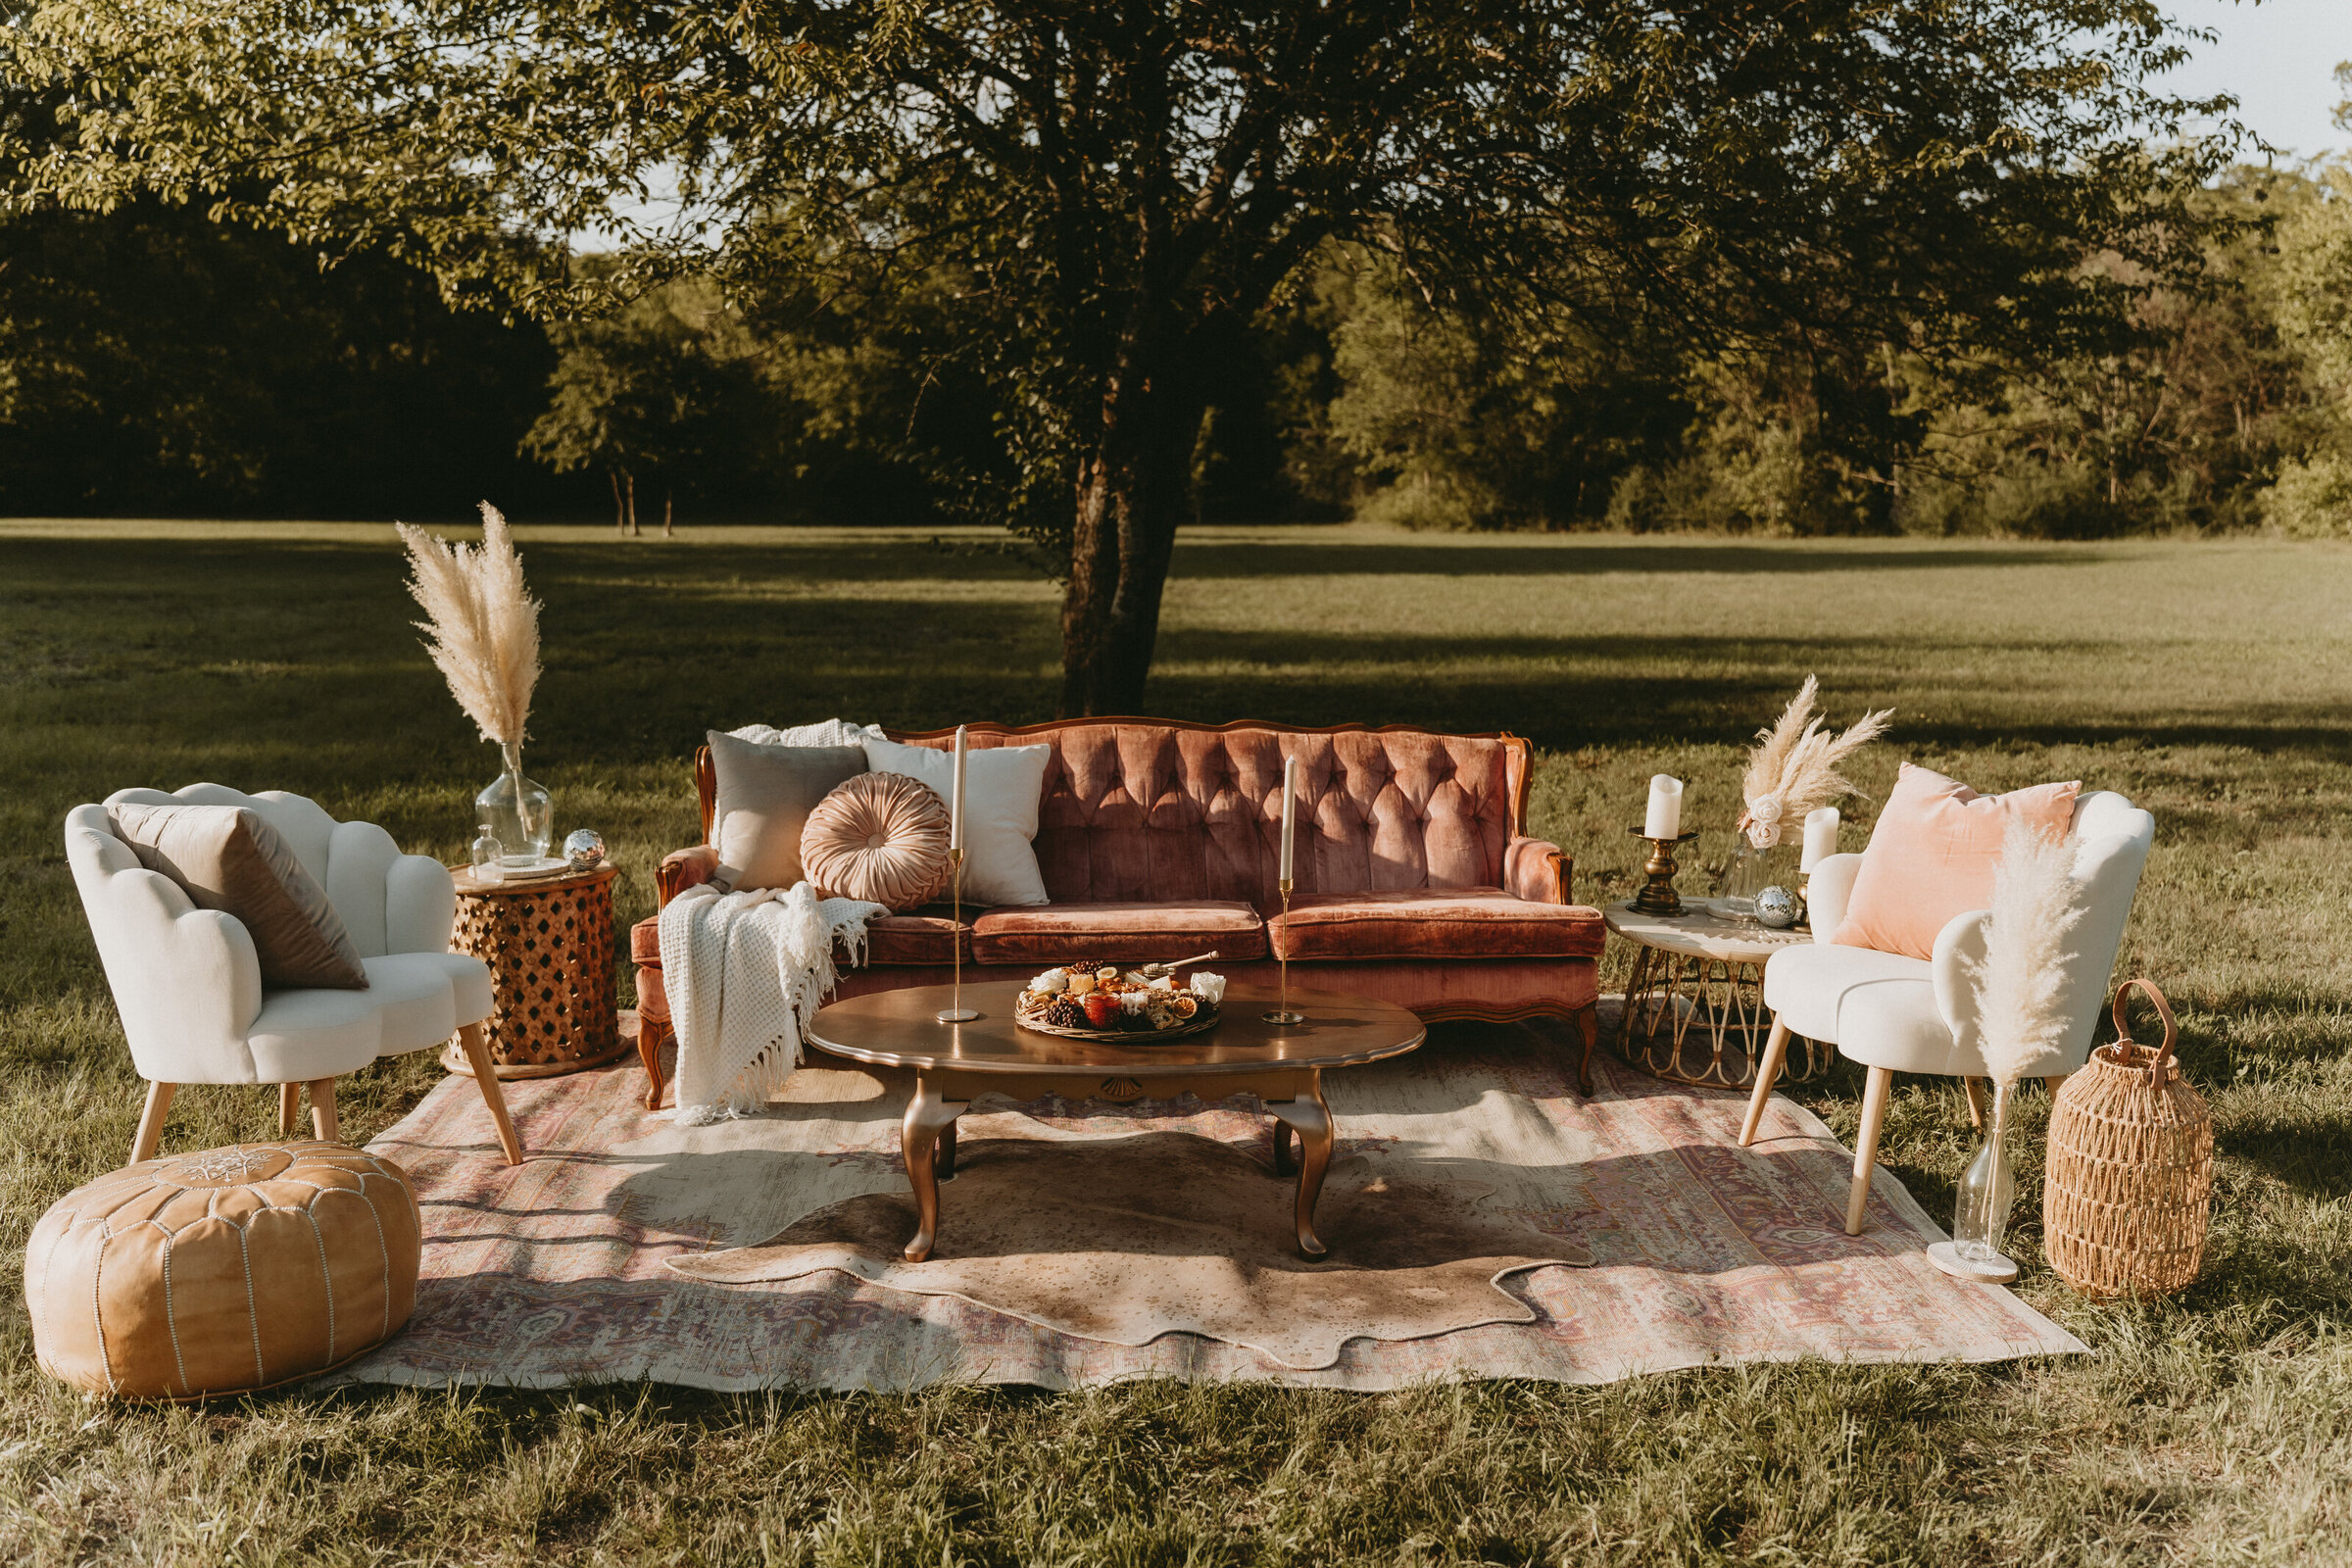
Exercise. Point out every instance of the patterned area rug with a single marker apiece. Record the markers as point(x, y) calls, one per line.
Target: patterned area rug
point(557, 1272)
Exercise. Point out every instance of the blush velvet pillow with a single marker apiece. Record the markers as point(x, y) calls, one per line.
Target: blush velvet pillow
point(881, 838)
point(1933, 853)
point(764, 799)
point(228, 858)
point(1003, 787)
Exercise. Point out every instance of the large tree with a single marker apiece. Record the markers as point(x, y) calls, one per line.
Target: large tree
point(1118, 187)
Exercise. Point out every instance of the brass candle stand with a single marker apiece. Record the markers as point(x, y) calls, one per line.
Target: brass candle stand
point(1283, 1014)
point(1657, 894)
point(957, 1011)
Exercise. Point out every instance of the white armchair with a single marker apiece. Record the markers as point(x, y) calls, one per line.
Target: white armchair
point(189, 987)
point(1896, 1013)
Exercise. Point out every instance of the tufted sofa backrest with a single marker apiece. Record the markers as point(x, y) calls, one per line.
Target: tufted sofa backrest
point(1139, 808)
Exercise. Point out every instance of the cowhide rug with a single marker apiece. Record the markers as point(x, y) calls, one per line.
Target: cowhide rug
point(1126, 1238)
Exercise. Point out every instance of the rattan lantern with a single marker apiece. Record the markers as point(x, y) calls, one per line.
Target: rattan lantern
point(2131, 1168)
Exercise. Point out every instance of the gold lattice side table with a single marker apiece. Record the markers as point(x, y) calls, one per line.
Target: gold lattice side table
point(1694, 1004)
point(549, 946)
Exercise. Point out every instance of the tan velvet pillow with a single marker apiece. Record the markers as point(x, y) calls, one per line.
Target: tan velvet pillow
point(765, 794)
point(880, 837)
point(228, 858)
point(1933, 853)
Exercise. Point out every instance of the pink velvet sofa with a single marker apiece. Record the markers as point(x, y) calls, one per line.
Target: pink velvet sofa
point(1414, 881)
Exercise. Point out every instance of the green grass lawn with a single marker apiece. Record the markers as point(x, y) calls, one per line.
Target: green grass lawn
point(2208, 681)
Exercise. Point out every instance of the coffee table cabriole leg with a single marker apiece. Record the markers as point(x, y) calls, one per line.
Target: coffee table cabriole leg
point(1307, 1112)
point(930, 1123)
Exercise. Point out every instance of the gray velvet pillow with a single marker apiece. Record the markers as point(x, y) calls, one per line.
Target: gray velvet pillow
point(228, 858)
point(765, 794)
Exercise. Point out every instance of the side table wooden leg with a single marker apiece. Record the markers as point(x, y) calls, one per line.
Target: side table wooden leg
point(927, 1117)
point(476, 1040)
point(1316, 1135)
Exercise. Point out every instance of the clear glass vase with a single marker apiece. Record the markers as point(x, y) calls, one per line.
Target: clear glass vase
point(1750, 871)
point(1987, 1192)
point(518, 813)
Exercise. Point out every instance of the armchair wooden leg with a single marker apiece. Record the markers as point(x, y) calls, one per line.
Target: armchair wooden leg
point(476, 1040)
point(324, 1124)
point(1975, 1088)
point(1768, 1071)
point(2056, 1081)
point(289, 1106)
point(1866, 1146)
point(150, 1135)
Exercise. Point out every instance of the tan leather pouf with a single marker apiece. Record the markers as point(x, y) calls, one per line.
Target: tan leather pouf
point(232, 1269)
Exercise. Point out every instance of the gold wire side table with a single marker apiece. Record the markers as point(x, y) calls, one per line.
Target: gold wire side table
point(1694, 1008)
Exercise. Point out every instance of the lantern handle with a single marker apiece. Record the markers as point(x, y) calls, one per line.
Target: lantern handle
point(2164, 1009)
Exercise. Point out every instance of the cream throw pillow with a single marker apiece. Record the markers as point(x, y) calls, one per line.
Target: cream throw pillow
point(764, 796)
point(1002, 788)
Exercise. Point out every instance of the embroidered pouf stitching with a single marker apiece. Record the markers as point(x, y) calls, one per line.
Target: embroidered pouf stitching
point(223, 1271)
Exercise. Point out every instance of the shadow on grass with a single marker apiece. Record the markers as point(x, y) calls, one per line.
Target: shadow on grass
point(1570, 558)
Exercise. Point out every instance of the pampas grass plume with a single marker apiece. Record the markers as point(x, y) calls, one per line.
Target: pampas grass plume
point(1795, 763)
point(2036, 903)
point(481, 624)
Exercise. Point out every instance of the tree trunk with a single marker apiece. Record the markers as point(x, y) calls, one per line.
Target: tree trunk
point(1131, 495)
point(620, 513)
point(668, 515)
point(633, 530)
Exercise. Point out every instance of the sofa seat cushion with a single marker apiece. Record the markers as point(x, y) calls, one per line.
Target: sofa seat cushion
point(1444, 923)
point(891, 941)
point(1049, 933)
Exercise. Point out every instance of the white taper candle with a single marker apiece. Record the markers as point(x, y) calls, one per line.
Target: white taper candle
point(955, 805)
point(1665, 808)
point(1290, 809)
point(1821, 837)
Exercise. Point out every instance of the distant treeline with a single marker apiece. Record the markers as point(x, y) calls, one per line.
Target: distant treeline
point(154, 363)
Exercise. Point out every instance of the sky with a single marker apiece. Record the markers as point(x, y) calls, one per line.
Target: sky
point(2280, 58)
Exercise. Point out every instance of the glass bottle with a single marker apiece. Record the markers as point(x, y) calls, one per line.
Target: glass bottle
point(1987, 1190)
point(488, 856)
point(1748, 874)
point(516, 812)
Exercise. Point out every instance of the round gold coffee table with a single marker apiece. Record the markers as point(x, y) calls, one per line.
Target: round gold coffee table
point(1283, 1065)
point(1695, 1002)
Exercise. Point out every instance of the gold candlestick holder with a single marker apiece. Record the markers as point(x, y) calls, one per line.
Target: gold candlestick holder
point(1283, 1014)
point(957, 1011)
point(1657, 894)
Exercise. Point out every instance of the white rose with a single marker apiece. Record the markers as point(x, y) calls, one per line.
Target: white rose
point(1764, 821)
point(1209, 987)
point(1052, 981)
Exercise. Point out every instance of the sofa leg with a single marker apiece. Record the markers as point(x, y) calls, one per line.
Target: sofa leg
point(1588, 1024)
point(150, 1135)
point(652, 1035)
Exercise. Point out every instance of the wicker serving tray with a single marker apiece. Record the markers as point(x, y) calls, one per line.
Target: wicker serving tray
point(1206, 1018)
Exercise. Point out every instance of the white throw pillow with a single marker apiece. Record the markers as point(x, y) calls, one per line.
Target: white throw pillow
point(830, 732)
point(1002, 788)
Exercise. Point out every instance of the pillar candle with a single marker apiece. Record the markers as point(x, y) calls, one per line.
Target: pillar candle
point(1290, 809)
point(1821, 837)
point(1665, 808)
point(955, 806)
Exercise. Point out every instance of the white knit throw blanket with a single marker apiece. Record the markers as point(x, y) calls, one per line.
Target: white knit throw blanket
point(744, 972)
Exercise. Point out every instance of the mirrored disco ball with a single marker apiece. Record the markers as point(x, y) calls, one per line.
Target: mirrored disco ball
point(1777, 908)
point(584, 848)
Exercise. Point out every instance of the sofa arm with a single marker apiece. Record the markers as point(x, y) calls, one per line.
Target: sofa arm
point(681, 870)
point(1537, 871)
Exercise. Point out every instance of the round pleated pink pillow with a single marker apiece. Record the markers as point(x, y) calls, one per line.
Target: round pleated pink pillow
point(880, 837)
